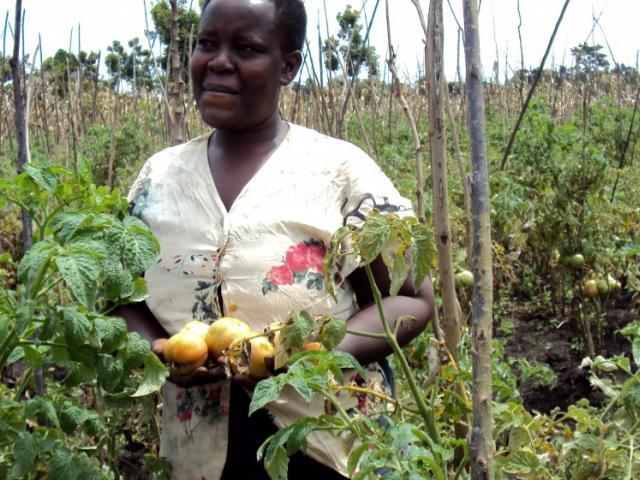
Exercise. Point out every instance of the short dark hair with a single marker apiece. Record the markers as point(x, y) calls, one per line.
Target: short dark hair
point(291, 18)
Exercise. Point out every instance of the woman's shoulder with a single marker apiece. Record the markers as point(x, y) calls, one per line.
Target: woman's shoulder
point(184, 150)
point(317, 142)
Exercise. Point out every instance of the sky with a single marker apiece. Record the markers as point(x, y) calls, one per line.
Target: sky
point(99, 22)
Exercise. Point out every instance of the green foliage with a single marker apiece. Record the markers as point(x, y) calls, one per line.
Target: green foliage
point(350, 46)
point(128, 145)
point(188, 22)
point(87, 258)
point(134, 66)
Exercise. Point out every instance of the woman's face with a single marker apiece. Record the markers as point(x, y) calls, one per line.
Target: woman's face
point(238, 66)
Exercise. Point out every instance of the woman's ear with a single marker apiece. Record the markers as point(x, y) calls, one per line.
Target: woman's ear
point(290, 66)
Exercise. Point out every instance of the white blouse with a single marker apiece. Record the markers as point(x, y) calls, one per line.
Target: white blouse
point(265, 257)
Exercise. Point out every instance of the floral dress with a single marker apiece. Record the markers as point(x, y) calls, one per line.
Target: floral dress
point(263, 257)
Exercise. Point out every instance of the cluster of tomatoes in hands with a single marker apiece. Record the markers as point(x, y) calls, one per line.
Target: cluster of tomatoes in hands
point(200, 353)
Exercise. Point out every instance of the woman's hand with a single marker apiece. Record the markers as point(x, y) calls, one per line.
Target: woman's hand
point(200, 376)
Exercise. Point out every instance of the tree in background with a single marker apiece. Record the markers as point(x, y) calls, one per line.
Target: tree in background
point(350, 46)
point(188, 21)
point(133, 66)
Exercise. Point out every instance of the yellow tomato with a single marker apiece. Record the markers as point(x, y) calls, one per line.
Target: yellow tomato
point(188, 348)
point(261, 348)
point(196, 326)
point(223, 332)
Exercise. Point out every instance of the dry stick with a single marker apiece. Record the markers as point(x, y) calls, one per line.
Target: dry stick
point(28, 96)
point(70, 105)
point(94, 106)
point(43, 97)
point(533, 87)
point(325, 114)
point(163, 90)
point(349, 81)
point(623, 153)
point(2, 60)
point(417, 144)
point(439, 177)
point(332, 102)
point(176, 91)
point(464, 178)
point(356, 107)
point(481, 445)
point(521, 83)
point(296, 103)
point(21, 127)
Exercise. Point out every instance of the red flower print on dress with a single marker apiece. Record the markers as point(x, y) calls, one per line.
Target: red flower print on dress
point(184, 415)
point(280, 275)
point(302, 264)
point(304, 257)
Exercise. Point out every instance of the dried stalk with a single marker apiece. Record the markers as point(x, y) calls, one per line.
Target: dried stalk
point(481, 445)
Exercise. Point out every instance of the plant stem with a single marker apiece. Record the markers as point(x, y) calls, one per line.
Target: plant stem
point(378, 336)
point(426, 414)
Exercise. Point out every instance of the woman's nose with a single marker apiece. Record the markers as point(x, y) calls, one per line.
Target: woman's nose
point(221, 61)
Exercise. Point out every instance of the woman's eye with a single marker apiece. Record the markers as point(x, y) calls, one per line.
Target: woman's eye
point(245, 48)
point(205, 43)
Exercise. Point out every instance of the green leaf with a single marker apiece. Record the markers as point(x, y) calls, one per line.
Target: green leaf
point(66, 224)
point(43, 177)
point(80, 272)
point(117, 282)
point(77, 328)
point(334, 259)
point(140, 248)
point(51, 325)
point(110, 371)
point(25, 452)
point(136, 350)
point(84, 170)
point(300, 386)
point(43, 408)
point(155, 374)
point(423, 253)
point(61, 467)
point(354, 457)
point(277, 464)
point(332, 332)
point(635, 348)
point(265, 392)
point(299, 431)
point(373, 235)
point(297, 329)
point(35, 260)
point(24, 317)
point(71, 417)
point(140, 291)
point(17, 354)
point(112, 332)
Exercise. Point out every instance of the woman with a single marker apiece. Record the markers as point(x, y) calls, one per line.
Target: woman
point(243, 216)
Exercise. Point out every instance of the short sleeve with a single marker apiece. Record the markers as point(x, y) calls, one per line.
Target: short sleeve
point(368, 188)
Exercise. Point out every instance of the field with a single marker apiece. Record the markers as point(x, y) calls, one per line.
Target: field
point(564, 206)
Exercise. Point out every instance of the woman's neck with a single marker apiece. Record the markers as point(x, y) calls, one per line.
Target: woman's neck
point(271, 131)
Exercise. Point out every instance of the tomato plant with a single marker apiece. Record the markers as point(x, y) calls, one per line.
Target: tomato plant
point(86, 259)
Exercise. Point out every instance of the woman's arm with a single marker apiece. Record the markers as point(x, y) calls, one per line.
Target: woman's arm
point(408, 302)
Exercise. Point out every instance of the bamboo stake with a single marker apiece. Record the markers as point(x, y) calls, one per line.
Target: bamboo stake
point(481, 446)
point(439, 175)
point(4, 39)
point(20, 120)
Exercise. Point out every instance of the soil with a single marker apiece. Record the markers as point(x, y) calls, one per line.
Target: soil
point(538, 338)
